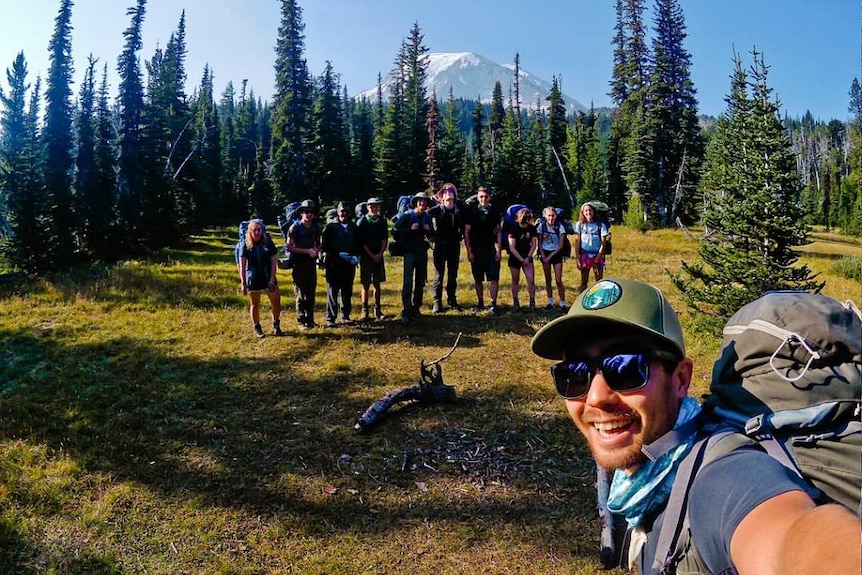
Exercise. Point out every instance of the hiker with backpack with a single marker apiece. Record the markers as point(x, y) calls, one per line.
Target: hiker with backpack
point(411, 230)
point(523, 244)
point(341, 256)
point(591, 238)
point(447, 231)
point(303, 243)
point(552, 245)
point(258, 264)
point(373, 236)
point(697, 499)
point(484, 242)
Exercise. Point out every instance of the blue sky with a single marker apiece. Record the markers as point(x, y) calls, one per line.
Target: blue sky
point(813, 49)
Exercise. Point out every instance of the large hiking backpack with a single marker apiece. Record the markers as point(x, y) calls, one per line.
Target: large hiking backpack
point(789, 380)
point(510, 223)
point(243, 229)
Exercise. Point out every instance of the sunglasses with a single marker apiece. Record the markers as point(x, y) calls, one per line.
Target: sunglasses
point(622, 372)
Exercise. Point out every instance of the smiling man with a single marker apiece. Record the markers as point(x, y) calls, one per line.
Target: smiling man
point(623, 372)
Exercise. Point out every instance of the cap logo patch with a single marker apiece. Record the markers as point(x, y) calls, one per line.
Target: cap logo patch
point(602, 295)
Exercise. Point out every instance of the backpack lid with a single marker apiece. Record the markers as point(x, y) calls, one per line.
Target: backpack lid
point(788, 350)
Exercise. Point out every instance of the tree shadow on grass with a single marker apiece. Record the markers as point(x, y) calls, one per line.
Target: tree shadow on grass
point(243, 434)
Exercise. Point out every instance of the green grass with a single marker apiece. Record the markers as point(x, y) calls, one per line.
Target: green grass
point(143, 429)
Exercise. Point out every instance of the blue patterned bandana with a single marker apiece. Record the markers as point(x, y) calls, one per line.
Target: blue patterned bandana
point(647, 488)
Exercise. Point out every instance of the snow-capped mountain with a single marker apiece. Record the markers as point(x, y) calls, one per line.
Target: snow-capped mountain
point(471, 76)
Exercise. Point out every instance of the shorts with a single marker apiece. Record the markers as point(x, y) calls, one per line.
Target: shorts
point(595, 261)
point(557, 259)
point(515, 263)
point(371, 272)
point(485, 265)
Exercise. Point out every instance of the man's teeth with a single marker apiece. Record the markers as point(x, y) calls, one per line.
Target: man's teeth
point(605, 426)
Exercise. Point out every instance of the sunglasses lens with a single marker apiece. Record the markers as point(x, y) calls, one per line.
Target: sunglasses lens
point(621, 372)
point(572, 378)
point(626, 371)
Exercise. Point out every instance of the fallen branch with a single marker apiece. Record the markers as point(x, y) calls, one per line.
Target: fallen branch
point(431, 389)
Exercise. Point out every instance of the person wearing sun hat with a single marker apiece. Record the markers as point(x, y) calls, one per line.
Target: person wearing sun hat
point(624, 375)
point(413, 227)
point(373, 237)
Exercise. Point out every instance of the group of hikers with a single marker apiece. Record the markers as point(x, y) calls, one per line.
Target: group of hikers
point(441, 222)
point(762, 477)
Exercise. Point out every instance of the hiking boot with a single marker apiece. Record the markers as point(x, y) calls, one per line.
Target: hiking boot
point(436, 307)
point(347, 321)
point(454, 305)
point(378, 314)
point(495, 310)
point(515, 307)
point(564, 306)
point(549, 307)
point(276, 329)
point(364, 316)
point(330, 324)
point(478, 309)
point(258, 331)
point(532, 305)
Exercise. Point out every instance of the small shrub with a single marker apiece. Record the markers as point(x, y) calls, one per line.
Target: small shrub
point(849, 267)
point(634, 215)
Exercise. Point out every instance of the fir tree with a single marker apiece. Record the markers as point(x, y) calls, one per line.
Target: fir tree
point(21, 164)
point(672, 117)
point(291, 108)
point(451, 152)
point(752, 213)
point(130, 103)
point(59, 143)
point(432, 125)
point(209, 196)
point(85, 161)
point(328, 157)
point(103, 195)
point(496, 118)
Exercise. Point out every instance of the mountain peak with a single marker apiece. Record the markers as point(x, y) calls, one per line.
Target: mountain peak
point(471, 76)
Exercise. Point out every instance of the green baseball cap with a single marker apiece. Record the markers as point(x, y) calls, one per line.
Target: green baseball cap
point(614, 310)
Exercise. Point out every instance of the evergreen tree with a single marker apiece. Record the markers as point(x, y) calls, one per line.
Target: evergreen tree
point(672, 117)
point(496, 117)
point(362, 149)
point(554, 152)
point(102, 214)
point(59, 144)
point(328, 157)
point(752, 208)
point(291, 108)
point(509, 182)
point(451, 153)
point(593, 179)
point(85, 161)
point(416, 109)
point(21, 164)
point(130, 104)
point(432, 125)
point(478, 158)
point(209, 197)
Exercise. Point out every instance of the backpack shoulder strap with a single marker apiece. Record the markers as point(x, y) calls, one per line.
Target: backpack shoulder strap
point(674, 539)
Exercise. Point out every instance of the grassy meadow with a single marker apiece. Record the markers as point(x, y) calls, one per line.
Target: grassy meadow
point(144, 429)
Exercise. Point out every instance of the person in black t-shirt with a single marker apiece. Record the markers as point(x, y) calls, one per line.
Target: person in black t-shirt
point(373, 237)
point(484, 248)
point(303, 242)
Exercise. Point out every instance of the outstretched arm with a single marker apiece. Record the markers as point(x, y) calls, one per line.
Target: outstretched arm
point(789, 535)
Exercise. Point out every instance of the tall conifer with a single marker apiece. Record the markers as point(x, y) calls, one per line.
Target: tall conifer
point(753, 215)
